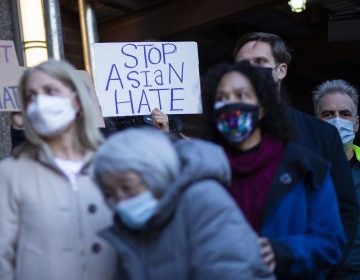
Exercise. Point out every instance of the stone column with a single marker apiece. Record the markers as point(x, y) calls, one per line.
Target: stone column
point(88, 34)
point(6, 33)
point(53, 28)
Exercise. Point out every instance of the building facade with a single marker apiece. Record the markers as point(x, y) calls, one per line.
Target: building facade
point(6, 33)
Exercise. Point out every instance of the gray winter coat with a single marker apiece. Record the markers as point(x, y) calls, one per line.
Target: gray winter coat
point(48, 225)
point(197, 233)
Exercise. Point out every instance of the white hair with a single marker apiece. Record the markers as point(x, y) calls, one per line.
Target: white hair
point(331, 86)
point(146, 151)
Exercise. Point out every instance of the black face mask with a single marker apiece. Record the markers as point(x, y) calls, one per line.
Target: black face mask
point(236, 121)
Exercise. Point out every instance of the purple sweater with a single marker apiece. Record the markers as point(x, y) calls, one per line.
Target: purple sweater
point(252, 174)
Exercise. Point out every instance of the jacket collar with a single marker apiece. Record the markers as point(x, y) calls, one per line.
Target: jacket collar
point(297, 164)
point(44, 155)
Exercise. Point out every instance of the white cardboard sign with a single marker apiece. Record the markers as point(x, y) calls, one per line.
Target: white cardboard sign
point(136, 77)
point(7, 53)
point(9, 80)
point(90, 86)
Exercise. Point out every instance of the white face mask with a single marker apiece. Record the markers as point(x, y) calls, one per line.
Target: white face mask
point(136, 211)
point(50, 115)
point(345, 128)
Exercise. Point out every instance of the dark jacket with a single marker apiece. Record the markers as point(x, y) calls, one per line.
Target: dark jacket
point(17, 137)
point(323, 138)
point(301, 216)
point(197, 233)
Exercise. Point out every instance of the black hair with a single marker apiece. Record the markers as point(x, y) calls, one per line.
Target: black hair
point(275, 122)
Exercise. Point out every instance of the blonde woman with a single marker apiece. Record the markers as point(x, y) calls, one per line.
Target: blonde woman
point(50, 208)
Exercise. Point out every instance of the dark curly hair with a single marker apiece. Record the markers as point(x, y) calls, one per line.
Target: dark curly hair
point(275, 121)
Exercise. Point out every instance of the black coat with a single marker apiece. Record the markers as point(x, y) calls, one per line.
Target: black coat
point(324, 139)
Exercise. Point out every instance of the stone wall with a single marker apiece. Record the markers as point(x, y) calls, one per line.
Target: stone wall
point(6, 33)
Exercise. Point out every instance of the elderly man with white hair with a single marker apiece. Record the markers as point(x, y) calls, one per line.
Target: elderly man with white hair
point(173, 216)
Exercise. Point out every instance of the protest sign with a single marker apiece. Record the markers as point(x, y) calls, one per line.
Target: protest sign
point(10, 74)
point(136, 77)
point(90, 86)
point(7, 53)
point(9, 79)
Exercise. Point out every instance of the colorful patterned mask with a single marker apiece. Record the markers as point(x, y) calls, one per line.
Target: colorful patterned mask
point(236, 121)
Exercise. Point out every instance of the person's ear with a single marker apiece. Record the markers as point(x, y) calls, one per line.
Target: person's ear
point(282, 71)
point(356, 124)
point(261, 112)
point(76, 103)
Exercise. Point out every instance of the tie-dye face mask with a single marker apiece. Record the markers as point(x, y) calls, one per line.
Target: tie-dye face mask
point(236, 121)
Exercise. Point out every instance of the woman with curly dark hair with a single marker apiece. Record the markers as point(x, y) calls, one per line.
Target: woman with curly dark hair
point(282, 187)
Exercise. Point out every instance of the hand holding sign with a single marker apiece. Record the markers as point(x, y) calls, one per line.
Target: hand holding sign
point(136, 78)
point(160, 120)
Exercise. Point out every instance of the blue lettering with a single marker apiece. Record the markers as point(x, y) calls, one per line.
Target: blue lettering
point(172, 69)
point(136, 83)
point(5, 48)
point(15, 95)
point(116, 78)
point(145, 56)
point(127, 54)
point(146, 78)
point(8, 98)
point(172, 99)
point(120, 102)
point(157, 56)
point(171, 49)
point(159, 78)
point(158, 94)
point(143, 94)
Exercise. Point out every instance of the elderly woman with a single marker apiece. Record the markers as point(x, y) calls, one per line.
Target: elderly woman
point(173, 218)
point(284, 190)
point(50, 208)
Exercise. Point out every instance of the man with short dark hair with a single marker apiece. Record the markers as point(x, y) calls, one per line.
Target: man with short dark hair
point(269, 50)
